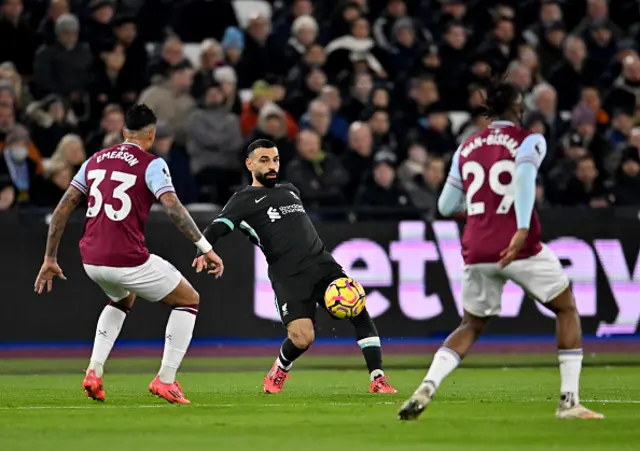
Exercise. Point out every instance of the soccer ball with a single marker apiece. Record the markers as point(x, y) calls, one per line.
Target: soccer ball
point(345, 298)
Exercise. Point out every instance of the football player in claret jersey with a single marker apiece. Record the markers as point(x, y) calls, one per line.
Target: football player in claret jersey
point(121, 184)
point(271, 214)
point(493, 179)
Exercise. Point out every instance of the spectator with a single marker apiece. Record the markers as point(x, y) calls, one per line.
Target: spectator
point(417, 158)
point(550, 13)
point(177, 161)
point(380, 125)
point(7, 117)
point(590, 97)
point(50, 120)
point(211, 58)
point(272, 125)
point(18, 40)
point(64, 68)
point(261, 94)
point(112, 84)
point(544, 101)
point(597, 11)
point(586, 187)
point(260, 58)
point(214, 143)
point(23, 164)
point(536, 123)
point(520, 75)
point(282, 26)
point(46, 29)
point(601, 47)
point(583, 121)
point(69, 152)
point(453, 54)
point(97, 30)
point(319, 176)
point(57, 178)
point(450, 11)
point(359, 156)
point(228, 81)
point(435, 132)
point(405, 48)
point(339, 127)
point(500, 48)
point(381, 194)
point(620, 131)
point(297, 104)
point(171, 55)
point(528, 57)
point(233, 46)
point(625, 93)
point(359, 97)
point(21, 90)
point(550, 48)
point(110, 131)
point(125, 31)
point(171, 101)
point(304, 33)
point(541, 200)
point(423, 94)
point(344, 15)
point(425, 188)
point(626, 48)
point(318, 119)
point(628, 189)
point(571, 74)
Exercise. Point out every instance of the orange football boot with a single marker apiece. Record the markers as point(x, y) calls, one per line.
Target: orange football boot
point(275, 378)
point(380, 385)
point(171, 392)
point(93, 386)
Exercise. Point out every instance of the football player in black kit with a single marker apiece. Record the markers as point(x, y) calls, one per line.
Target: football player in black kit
point(272, 216)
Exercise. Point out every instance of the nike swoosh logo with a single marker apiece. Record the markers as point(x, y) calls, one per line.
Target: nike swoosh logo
point(261, 199)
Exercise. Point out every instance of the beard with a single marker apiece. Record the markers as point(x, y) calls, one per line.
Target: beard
point(267, 182)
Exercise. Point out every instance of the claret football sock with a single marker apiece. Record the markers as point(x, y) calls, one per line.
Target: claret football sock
point(288, 354)
point(570, 367)
point(444, 362)
point(369, 342)
point(107, 331)
point(177, 339)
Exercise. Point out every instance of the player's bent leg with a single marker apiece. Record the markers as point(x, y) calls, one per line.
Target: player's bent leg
point(569, 339)
point(185, 302)
point(369, 342)
point(107, 331)
point(445, 360)
point(300, 336)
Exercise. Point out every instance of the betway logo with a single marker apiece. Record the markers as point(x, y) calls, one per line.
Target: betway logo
point(414, 254)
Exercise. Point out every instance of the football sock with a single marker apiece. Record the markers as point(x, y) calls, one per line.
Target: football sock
point(107, 331)
point(570, 366)
point(177, 339)
point(444, 362)
point(288, 354)
point(369, 342)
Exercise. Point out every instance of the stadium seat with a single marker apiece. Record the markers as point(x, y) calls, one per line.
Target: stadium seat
point(245, 9)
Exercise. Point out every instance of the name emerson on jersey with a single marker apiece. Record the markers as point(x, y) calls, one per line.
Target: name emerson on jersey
point(118, 154)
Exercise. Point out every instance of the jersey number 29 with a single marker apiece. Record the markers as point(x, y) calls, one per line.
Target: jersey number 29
point(476, 170)
point(119, 192)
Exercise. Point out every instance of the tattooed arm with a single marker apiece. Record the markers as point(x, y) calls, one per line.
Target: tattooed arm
point(71, 199)
point(180, 216)
point(50, 269)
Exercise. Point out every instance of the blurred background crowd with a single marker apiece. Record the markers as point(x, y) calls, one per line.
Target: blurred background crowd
point(366, 99)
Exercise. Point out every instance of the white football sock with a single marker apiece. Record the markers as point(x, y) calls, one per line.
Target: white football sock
point(570, 366)
point(107, 331)
point(177, 339)
point(444, 362)
point(374, 374)
point(284, 364)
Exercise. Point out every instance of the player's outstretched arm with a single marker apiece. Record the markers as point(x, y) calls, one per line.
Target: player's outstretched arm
point(185, 223)
point(50, 269)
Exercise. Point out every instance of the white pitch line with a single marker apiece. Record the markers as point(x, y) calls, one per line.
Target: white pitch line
point(332, 404)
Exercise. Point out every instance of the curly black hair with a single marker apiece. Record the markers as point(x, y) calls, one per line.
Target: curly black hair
point(501, 96)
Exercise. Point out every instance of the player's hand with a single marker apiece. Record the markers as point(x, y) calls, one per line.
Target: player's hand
point(510, 253)
point(210, 262)
point(49, 270)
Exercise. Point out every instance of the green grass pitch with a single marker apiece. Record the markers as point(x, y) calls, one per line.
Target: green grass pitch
point(476, 409)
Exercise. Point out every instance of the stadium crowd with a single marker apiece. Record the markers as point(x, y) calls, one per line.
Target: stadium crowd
point(366, 99)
